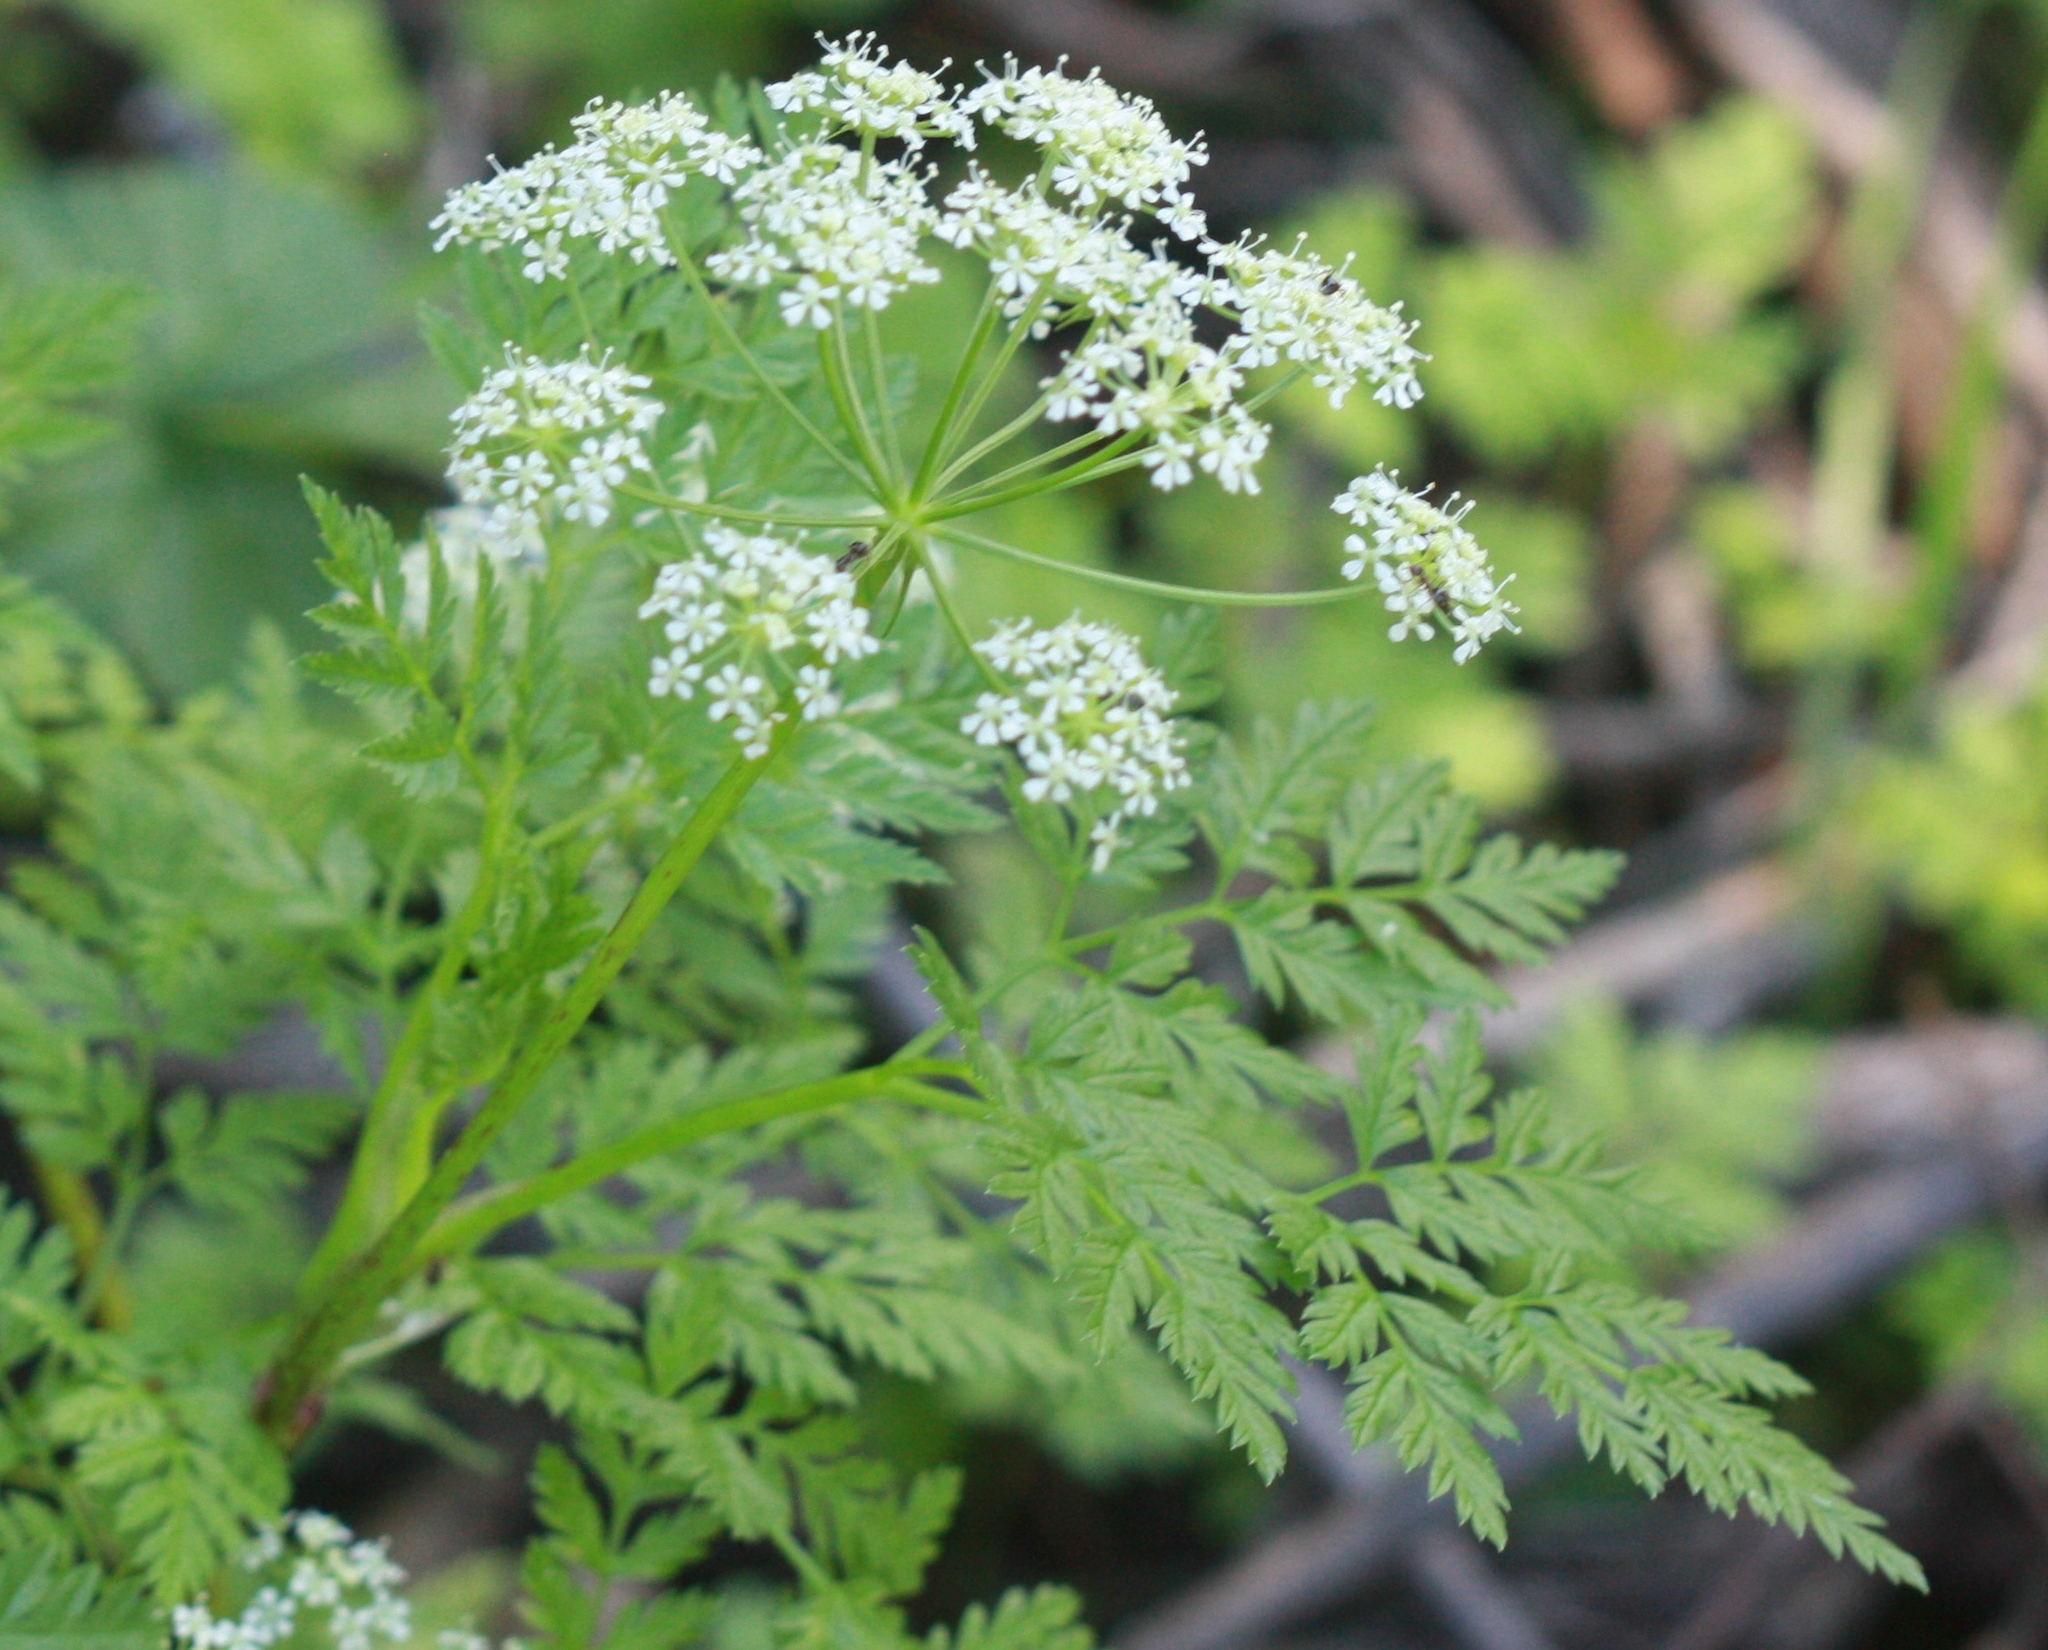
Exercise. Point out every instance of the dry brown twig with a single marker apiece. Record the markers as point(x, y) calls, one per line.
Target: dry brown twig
point(1633, 75)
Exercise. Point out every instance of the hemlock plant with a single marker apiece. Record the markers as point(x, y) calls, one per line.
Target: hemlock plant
point(661, 714)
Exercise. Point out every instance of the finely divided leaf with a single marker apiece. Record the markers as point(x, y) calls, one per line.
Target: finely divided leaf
point(49, 1603)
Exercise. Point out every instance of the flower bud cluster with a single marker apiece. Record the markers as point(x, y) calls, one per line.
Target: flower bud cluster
point(1426, 563)
point(749, 600)
point(319, 1566)
point(609, 186)
point(1089, 716)
point(847, 227)
point(541, 434)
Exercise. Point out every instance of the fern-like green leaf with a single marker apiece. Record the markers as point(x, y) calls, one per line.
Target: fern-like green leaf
point(47, 1603)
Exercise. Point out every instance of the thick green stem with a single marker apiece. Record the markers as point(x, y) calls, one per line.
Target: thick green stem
point(998, 439)
point(468, 1223)
point(878, 374)
point(374, 1180)
point(1040, 460)
point(1020, 330)
point(72, 1204)
point(329, 1324)
point(837, 372)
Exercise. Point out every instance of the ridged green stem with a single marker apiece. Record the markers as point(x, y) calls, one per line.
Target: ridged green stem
point(342, 1311)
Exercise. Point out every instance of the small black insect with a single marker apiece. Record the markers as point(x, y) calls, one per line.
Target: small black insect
point(855, 552)
point(1332, 285)
point(1437, 596)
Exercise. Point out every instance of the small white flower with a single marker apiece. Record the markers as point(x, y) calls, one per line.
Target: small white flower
point(269, 1616)
point(316, 1531)
point(755, 597)
point(808, 303)
point(353, 1582)
point(608, 187)
point(849, 226)
point(191, 1624)
point(666, 676)
point(815, 695)
point(732, 690)
point(541, 433)
point(1294, 307)
point(830, 226)
point(1091, 717)
point(1426, 563)
point(1107, 147)
point(866, 94)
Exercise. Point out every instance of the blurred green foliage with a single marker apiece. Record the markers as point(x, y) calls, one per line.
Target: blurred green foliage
point(311, 86)
point(1978, 1310)
point(274, 337)
point(1959, 834)
point(1662, 317)
point(1722, 1128)
point(1542, 363)
point(571, 50)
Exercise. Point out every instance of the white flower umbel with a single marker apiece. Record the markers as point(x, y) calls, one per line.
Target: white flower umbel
point(1105, 147)
point(543, 436)
point(862, 92)
point(847, 227)
point(1429, 567)
point(831, 226)
point(609, 186)
point(311, 1568)
point(747, 602)
point(1294, 307)
point(1089, 716)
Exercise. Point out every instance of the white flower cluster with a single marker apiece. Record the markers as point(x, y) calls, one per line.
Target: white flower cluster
point(848, 227)
point(353, 1582)
point(1107, 148)
point(1090, 716)
point(609, 186)
point(830, 225)
point(1141, 369)
point(1425, 562)
point(550, 433)
point(862, 92)
point(750, 599)
point(1294, 307)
